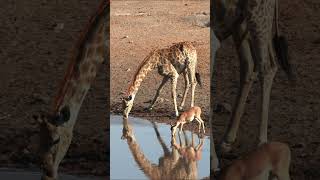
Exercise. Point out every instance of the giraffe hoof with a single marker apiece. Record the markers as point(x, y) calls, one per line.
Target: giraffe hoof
point(224, 148)
point(180, 108)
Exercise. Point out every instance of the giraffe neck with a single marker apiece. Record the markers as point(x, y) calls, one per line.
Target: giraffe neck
point(145, 67)
point(88, 54)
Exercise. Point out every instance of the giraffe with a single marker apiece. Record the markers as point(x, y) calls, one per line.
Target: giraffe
point(180, 163)
point(250, 23)
point(56, 128)
point(170, 62)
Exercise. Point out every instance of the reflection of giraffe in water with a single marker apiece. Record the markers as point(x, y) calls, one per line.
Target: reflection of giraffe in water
point(180, 163)
point(57, 127)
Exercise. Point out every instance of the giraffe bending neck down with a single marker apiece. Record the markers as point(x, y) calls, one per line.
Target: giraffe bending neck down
point(171, 62)
point(57, 127)
point(250, 23)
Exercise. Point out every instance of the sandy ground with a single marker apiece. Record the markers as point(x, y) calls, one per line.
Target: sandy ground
point(35, 49)
point(139, 27)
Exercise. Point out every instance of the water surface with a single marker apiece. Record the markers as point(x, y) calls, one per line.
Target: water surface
point(143, 154)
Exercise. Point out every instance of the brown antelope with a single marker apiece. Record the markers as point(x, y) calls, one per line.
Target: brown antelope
point(271, 157)
point(188, 116)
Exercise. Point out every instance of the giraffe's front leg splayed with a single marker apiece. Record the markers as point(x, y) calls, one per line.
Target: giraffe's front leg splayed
point(174, 93)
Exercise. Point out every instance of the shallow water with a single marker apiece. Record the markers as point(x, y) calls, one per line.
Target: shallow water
point(144, 156)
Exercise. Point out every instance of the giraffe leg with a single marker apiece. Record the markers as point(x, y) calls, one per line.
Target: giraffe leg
point(268, 69)
point(174, 80)
point(164, 81)
point(247, 77)
point(165, 149)
point(192, 77)
point(187, 86)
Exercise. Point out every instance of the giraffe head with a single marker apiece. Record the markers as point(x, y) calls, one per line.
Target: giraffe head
point(127, 103)
point(51, 144)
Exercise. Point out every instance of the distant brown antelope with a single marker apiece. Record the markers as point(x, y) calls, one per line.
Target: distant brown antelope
point(188, 116)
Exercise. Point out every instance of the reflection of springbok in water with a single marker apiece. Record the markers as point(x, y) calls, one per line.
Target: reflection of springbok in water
point(180, 163)
point(190, 153)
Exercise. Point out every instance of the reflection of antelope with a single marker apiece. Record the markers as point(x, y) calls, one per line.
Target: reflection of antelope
point(189, 116)
point(271, 157)
point(189, 150)
point(180, 163)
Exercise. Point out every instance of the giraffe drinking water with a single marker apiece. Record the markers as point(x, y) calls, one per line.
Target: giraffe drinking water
point(170, 62)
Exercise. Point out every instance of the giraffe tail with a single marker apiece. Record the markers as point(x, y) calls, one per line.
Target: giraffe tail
point(280, 44)
point(198, 79)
